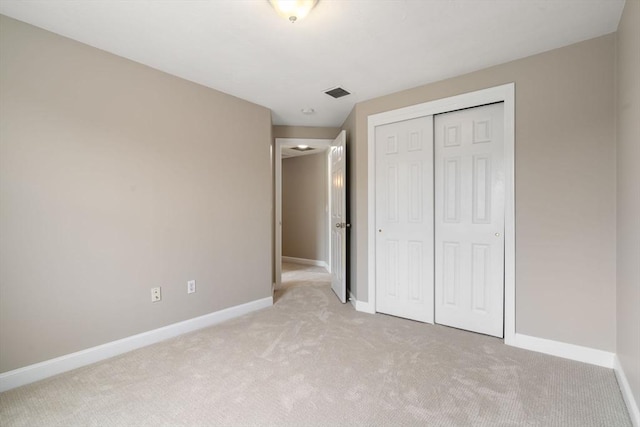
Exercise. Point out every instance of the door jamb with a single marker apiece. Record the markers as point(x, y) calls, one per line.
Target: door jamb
point(292, 142)
point(504, 93)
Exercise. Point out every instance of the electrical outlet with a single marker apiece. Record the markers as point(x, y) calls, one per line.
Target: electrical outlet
point(155, 294)
point(191, 286)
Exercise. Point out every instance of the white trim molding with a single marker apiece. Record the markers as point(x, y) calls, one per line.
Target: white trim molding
point(361, 306)
point(304, 261)
point(365, 307)
point(48, 368)
point(627, 393)
point(504, 93)
point(567, 351)
point(352, 300)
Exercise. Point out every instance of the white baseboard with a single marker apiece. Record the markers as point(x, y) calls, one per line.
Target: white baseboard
point(361, 306)
point(627, 393)
point(564, 350)
point(352, 300)
point(48, 368)
point(304, 261)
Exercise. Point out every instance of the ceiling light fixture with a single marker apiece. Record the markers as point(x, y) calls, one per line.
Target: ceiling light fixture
point(293, 10)
point(302, 148)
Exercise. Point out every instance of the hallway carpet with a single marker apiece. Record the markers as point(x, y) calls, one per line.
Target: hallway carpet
point(310, 360)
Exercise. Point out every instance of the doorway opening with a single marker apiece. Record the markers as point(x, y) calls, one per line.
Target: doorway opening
point(304, 158)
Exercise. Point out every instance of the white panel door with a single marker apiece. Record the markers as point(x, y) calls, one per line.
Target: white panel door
point(404, 219)
point(469, 219)
point(339, 224)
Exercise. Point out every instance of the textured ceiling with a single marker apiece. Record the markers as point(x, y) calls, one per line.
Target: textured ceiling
point(369, 47)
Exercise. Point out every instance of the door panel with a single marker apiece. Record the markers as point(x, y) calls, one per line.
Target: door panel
point(469, 219)
point(404, 219)
point(338, 217)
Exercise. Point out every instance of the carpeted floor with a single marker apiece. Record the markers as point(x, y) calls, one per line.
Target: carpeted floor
point(310, 360)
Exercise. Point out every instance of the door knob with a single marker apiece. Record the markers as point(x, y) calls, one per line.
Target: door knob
point(379, 230)
point(497, 234)
point(338, 225)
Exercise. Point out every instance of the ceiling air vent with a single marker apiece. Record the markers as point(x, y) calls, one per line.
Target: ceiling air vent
point(337, 92)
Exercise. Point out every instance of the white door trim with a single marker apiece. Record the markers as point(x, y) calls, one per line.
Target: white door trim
point(504, 93)
point(292, 142)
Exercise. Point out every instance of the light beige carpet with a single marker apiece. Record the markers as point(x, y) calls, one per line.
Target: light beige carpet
point(310, 360)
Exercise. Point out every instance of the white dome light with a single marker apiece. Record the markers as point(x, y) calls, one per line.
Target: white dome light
point(293, 10)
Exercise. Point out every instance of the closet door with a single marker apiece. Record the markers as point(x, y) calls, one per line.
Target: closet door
point(469, 219)
point(404, 219)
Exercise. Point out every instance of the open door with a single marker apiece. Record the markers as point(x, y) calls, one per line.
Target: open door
point(339, 224)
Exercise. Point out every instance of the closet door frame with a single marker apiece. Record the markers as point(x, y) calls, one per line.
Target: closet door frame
point(504, 93)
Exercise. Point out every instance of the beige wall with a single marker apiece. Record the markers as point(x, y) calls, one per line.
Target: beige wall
point(304, 202)
point(628, 194)
point(565, 187)
point(305, 132)
point(115, 178)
